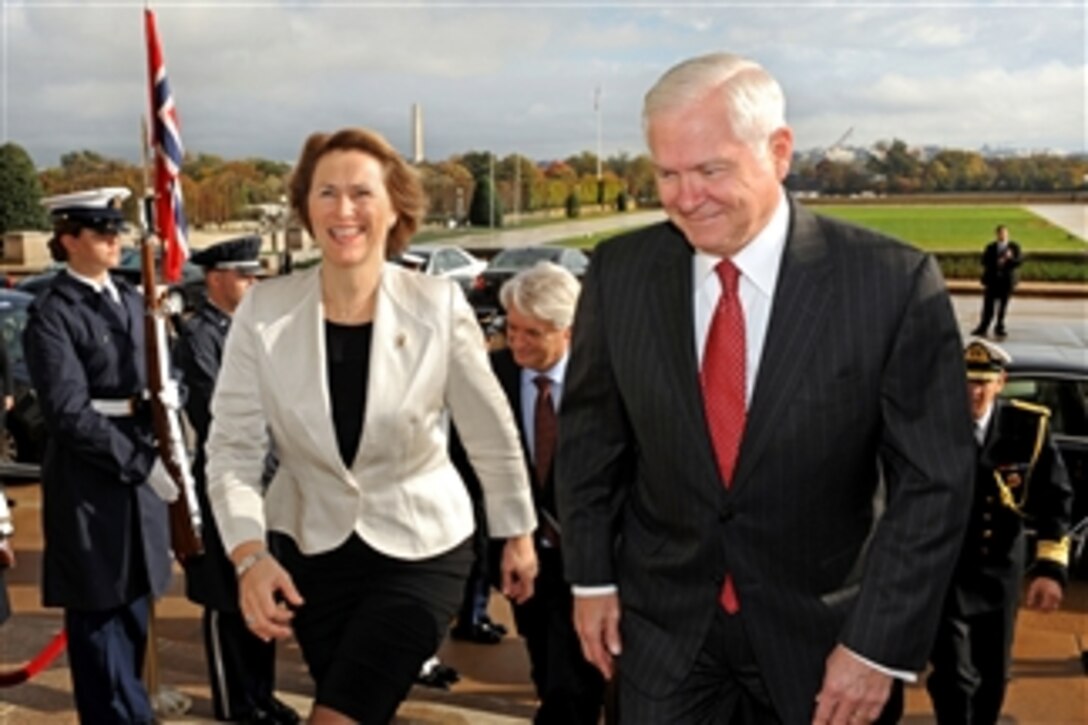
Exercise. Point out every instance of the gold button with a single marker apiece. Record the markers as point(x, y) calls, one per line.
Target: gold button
point(987, 534)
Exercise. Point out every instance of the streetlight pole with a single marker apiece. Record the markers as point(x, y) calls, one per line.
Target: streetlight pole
point(492, 190)
point(597, 110)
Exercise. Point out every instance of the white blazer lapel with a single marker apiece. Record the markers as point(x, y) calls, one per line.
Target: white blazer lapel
point(398, 363)
point(295, 345)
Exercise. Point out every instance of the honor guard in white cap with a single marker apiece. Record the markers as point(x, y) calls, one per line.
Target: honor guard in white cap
point(95, 209)
point(107, 549)
point(1020, 481)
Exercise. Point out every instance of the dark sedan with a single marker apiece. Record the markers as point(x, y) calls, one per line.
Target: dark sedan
point(484, 295)
point(24, 437)
point(1063, 388)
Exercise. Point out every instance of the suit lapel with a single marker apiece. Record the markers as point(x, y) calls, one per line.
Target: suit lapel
point(509, 374)
point(671, 319)
point(798, 316)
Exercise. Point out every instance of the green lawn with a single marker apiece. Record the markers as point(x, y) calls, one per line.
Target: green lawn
point(950, 228)
point(934, 227)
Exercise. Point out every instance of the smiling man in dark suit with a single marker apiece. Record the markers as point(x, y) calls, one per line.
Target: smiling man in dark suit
point(766, 407)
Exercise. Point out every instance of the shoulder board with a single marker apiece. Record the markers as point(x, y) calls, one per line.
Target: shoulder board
point(1031, 407)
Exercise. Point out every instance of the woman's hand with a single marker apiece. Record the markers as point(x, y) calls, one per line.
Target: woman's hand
point(519, 568)
point(267, 616)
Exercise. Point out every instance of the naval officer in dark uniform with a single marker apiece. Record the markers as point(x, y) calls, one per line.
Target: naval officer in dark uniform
point(1020, 483)
point(241, 667)
point(107, 551)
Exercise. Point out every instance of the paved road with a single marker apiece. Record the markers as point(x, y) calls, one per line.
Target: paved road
point(1037, 326)
point(1071, 217)
point(553, 232)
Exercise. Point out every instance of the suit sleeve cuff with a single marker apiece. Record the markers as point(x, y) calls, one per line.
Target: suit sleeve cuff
point(897, 674)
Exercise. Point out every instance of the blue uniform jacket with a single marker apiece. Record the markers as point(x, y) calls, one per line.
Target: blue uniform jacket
point(106, 532)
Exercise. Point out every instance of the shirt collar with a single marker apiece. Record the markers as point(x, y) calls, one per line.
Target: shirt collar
point(760, 259)
point(983, 423)
point(108, 286)
point(556, 373)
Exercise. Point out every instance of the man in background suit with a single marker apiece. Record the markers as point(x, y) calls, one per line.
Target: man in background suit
point(241, 667)
point(539, 304)
point(1021, 480)
point(1000, 259)
point(766, 406)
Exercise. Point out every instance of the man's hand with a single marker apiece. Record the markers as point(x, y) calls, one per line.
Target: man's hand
point(852, 692)
point(519, 568)
point(1044, 594)
point(597, 621)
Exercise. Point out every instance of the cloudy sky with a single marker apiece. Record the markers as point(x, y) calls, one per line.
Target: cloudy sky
point(254, 78)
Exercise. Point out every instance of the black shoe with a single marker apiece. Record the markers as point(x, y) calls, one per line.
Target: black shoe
point(979, 332)
point(282, 713)
point(500, 628)
point(439, 676)
point(273, 712)
point(1000, 332)
point(480, 633)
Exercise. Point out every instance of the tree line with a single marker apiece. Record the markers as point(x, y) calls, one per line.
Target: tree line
point(483, 188)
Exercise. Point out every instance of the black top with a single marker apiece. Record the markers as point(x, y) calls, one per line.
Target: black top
point(348, 354)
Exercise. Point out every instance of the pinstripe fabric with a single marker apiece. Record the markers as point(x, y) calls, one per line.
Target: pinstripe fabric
point(859, 408)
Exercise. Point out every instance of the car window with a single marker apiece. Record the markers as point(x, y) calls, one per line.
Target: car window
point(446, 260)
point(1066, 399)
point(524, 257)
point(12, 322)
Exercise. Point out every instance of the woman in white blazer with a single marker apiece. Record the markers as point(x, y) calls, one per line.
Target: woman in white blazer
point(352, 370)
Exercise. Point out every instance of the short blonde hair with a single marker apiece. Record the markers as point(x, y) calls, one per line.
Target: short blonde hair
point(401, 180)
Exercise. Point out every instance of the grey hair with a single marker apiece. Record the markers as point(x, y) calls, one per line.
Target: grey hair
point(754, 99)
point(545, 291)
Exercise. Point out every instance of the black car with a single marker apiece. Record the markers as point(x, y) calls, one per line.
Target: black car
point(484, 294)
point(1063, 388)
point(184, 296)
point(24, 437)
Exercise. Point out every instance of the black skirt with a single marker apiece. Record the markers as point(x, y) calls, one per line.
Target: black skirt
point(369, 620)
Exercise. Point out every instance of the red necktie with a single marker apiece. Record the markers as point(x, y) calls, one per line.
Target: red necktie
point(723, 383)
point(545, 435)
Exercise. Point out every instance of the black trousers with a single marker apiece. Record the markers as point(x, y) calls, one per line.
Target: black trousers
point(994, 297)
point(725, 687)
point(369, 621)
point(106, 656)
point(570, 689)
point(241, 667)
point(971, 659)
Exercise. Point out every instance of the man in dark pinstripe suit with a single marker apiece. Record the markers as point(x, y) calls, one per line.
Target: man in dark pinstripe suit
point(800, 581)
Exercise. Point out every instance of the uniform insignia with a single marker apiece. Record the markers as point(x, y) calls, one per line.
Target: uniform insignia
point(1013, 480)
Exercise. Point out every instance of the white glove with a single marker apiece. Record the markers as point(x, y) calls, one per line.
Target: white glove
point(161, 483)
point(170, 395)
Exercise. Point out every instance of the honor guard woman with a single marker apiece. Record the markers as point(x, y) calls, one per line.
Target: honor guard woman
point(106, 534)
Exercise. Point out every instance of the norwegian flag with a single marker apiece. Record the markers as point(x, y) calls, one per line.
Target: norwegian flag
point(166, 144)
